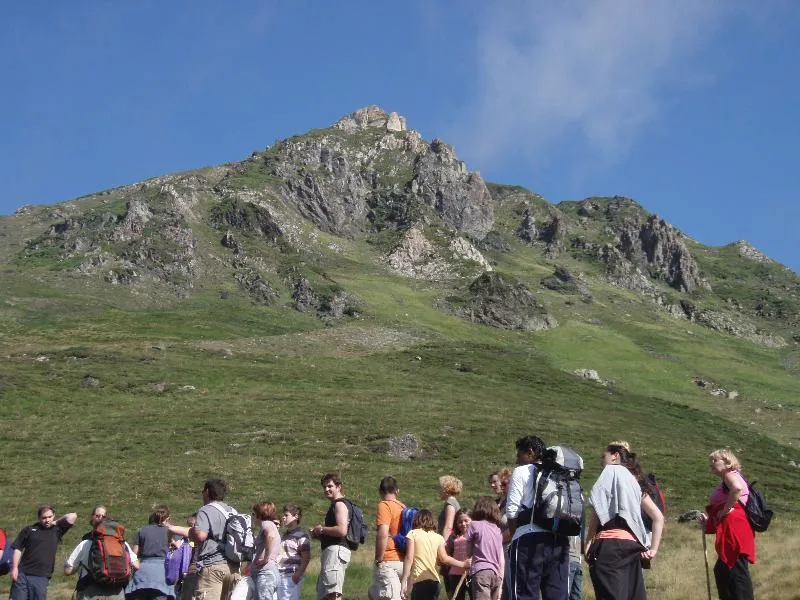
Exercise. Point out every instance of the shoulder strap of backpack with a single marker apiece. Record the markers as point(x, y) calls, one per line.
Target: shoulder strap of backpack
point(537, 481)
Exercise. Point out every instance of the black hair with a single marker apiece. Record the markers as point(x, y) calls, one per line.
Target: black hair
point(388, 485)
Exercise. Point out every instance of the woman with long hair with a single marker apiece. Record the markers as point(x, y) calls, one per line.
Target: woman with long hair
point(617, 540)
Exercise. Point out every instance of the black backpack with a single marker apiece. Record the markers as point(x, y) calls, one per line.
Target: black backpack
point(758, 513)
point(356, 525)
point(657, 496)
point(558, 504)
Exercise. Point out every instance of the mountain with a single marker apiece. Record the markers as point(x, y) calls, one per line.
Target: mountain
point(360, 264)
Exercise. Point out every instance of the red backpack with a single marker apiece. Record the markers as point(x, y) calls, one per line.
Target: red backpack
point(109, 559)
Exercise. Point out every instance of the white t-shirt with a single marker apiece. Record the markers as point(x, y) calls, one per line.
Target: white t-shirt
point(80, 557)
point(521, 493)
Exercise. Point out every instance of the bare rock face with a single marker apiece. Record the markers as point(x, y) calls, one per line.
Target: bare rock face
point(371, 116)
point(736, 326)
point(461, 248)
point(658, 246)
point(416, 257)
point(459, 197)
point(499, 301)
point(750, 252)
point(527, 231)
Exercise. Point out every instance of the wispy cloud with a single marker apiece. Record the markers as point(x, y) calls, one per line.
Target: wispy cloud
point(593, 72)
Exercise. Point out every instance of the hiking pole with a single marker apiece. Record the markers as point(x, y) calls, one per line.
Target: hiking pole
point(458, 587)
point(705, 557)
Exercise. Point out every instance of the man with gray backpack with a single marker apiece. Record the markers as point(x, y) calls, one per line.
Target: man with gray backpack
point(544, 507)
point(225, 540)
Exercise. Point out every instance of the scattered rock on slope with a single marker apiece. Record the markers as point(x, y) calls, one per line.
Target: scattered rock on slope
point(499, 301)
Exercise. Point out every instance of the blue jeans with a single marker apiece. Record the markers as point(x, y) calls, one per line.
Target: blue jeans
point(575, 580)
point(29, 587)
point(266, 581)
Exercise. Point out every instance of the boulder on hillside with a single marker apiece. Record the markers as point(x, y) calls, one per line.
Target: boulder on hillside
point(565, 282)
point(498, 300)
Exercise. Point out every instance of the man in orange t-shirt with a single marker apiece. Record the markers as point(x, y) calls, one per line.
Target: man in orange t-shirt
point(388, 560)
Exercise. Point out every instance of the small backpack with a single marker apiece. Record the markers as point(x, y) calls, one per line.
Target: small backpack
point(176, 563)
point(237, 538)
point(406, 520)
point(8, 552)
point(558, 498)
point(356, 525)
point(658, 498)
point(758, 513)
point(109, 560)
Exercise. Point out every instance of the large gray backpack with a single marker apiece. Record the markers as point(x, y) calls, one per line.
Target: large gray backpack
point(237, 539)
point(558, 495)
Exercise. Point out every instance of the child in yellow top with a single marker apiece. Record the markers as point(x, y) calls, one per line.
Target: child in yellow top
point(424, 552)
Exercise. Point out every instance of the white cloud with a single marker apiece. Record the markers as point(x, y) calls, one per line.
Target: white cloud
point(592, 72)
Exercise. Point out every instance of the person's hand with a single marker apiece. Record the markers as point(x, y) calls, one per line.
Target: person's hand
point(316, 531)
point(404, 590)
point(14, 574)
point(467, 563)
point(702, 518)
point(649, 554)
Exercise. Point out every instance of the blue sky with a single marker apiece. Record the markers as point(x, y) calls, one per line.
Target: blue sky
point(691, 107)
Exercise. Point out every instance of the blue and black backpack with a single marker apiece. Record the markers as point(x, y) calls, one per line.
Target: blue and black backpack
point(406, 520)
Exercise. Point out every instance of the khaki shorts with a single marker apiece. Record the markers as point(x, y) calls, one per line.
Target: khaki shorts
point(386, 580)
point(333, 564)
point(216, 582)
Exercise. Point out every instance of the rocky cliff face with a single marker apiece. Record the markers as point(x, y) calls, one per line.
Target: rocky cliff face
point(370, 172)
point(661, 249)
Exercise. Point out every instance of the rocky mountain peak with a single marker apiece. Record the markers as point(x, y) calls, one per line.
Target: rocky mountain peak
point(372, 116)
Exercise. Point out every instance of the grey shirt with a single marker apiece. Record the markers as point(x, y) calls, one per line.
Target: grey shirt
point(211, 520)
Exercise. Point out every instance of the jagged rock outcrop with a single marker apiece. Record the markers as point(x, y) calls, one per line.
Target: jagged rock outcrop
point(459, 197)
point(527, 231)
point(461, 248)
point(416, 257)
point(260, 291)
point(498, 300)
point(371, 116)
point(565, 282)
point(658, 246)
point(247, 217)
point(330, 304)
point(726, 323)
point(553, 234)
point(750, 252)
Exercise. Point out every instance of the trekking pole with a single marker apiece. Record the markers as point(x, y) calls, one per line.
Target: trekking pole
point(458, 587)
point(705, 557)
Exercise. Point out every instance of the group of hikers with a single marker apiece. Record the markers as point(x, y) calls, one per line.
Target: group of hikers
point(526, 541)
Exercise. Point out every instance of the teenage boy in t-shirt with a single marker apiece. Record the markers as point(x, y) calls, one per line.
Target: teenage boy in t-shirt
point(388, 560)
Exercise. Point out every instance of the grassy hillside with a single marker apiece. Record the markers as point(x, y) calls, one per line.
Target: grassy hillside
point(137, 361)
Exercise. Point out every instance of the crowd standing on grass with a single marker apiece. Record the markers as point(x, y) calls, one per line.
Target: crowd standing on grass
point(525, 542)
